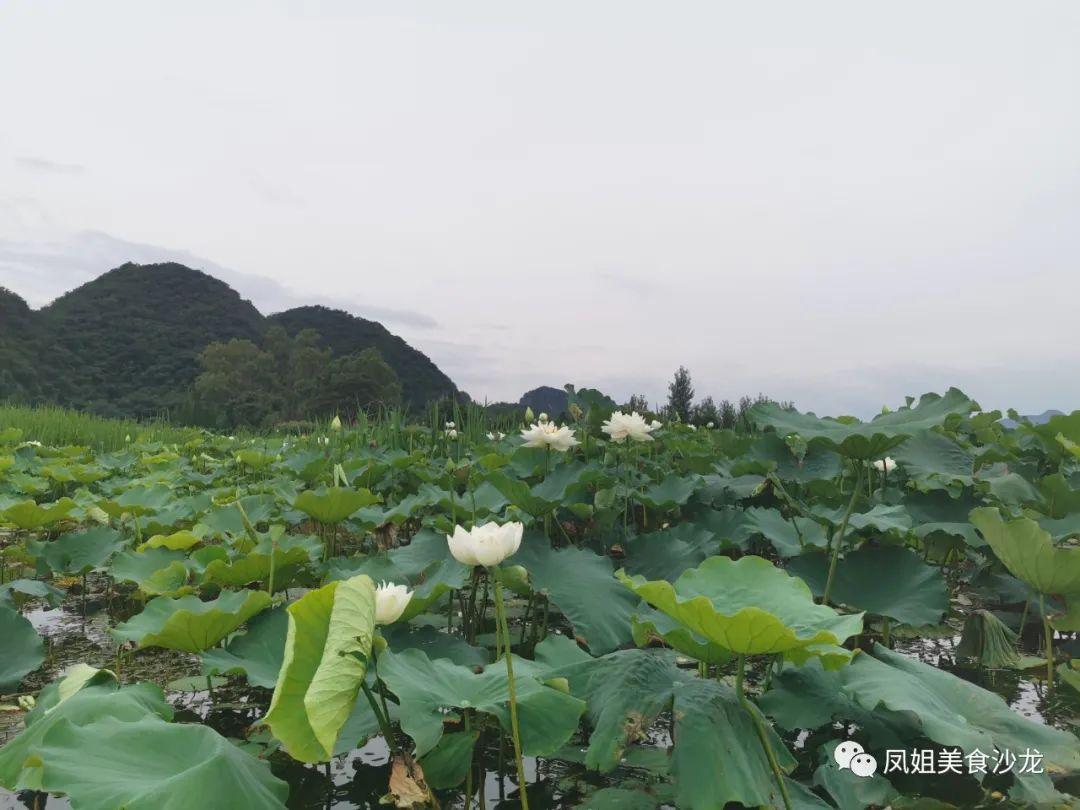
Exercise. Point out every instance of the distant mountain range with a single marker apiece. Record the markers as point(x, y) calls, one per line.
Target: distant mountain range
point(128, 342)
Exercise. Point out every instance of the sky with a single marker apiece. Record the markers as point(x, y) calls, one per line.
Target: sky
point(836, 203)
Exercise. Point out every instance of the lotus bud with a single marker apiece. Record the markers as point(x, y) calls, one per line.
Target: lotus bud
point(335, 423)
point(542, 418)
point(528, 415)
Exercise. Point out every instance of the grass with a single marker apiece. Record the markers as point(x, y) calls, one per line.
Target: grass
point(55, 426)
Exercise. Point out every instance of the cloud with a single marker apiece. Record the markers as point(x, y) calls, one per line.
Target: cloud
point(42, 166)
point(40, 271)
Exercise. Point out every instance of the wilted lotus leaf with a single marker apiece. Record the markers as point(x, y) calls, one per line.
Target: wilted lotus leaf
point(748, 606)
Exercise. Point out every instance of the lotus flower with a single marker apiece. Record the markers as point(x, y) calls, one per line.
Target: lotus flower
point(710, 425)
point(451, 433)
point(335, 423)
point(449, 425)
point(528, 414)
point(390, 602)
point(548, 434)
point(487, 544)
point(885, 465)
point(622, 426)
point(542, 418)
point(496, 436)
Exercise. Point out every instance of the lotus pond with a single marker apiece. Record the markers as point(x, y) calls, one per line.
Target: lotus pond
point(607, 613)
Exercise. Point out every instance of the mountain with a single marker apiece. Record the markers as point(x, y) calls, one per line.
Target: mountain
point(128, 342)
point(342, 333)
point(545, 399)
point(18, 334)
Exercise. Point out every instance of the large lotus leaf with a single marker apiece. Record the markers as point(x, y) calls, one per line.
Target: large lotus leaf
point(1029, 553)
point(23, 650)
point(667, 553)
point(580, 584)
point(434, 643)
point(255, 567)
point(561, 484)
point(653, 627)
point(140, 500)
point(748, 606)
point(157, 571)
point(326, 654)
point(883, 580)
point(425, 688)
point(77, 553)
point(447, 764)
point(190, 624)
point(673, 491)
point(90, 703)
point(941, 707)
point(15, 592)
point(864, 440)
point(1057, 498)
point(818, 464)
point(177, 541)
point(1065, 425)
point(789, 536)
point(519, 494)
point(934, 461)
point(717, 758)
point(257, 654)
point(30, 516)
point(938, 512)
point(149, 764)
point(847, 789)
point(334, 504)
point(882, 518)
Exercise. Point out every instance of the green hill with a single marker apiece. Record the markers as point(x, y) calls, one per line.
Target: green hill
point(128, 342)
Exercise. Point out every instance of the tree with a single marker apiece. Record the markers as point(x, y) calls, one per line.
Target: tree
point(357, 382)
point(705, 412)
point(728, 416)
point(236, 383)
point(681, 395)
point(637, 403)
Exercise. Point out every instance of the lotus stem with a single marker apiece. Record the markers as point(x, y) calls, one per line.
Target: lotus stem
point(1049, 633)
point(502, 630)
point(838, 539)
point(384, 722)
point(762, 732)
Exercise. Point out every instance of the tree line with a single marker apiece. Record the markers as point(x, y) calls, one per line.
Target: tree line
point(285, 380)
point(681, 407)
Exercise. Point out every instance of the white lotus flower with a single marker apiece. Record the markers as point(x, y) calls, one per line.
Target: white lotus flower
point(542, 418)
point(710, 425)
point(885, 465)
point(548, 434)
point(622, 426)
point(335, 423)
point(451, 433)
point(496, 436)
point(692, 427)
point(656, 424)
point(486, 544)
point(390, 602)
point(449, 425)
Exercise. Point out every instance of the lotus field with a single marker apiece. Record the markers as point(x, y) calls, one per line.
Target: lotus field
point(608, 612)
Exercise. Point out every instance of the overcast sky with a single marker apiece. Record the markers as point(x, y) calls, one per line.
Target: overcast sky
point(838, 203)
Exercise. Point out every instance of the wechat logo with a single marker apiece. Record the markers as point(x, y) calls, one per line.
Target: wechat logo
point(849, 754)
